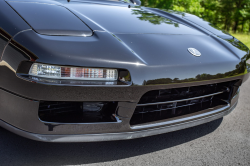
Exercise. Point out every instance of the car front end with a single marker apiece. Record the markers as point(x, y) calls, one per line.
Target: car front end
point(121, 73)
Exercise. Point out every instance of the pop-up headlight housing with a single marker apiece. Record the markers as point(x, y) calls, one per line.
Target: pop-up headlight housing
point(74, 73)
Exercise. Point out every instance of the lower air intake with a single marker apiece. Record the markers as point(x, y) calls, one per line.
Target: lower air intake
point(77, 112)
point(170, 103)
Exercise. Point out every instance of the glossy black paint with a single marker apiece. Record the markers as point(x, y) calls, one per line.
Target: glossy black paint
point(4, 38)
point(61, 21)
point(10, 21)
point(193, 20)
point(149, 43)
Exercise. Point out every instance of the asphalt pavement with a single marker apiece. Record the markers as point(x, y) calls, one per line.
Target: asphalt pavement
point(225, 141)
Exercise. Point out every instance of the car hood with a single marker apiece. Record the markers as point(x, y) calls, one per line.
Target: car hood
point(129, 20)
point(148, 44)
point(114, 18)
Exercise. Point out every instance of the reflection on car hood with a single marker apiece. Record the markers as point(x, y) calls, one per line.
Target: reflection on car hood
point(123, 19)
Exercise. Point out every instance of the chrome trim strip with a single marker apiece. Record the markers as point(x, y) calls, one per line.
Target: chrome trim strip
point(139, 105)
point(113, 136)
point(136, 127)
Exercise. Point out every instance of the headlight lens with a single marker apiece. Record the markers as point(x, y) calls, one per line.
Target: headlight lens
point(74, 73)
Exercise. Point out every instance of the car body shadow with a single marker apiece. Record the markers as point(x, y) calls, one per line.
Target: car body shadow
point(18, 150)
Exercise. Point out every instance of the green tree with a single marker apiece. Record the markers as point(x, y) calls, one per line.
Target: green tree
point(189, 6)
point(226, 14)
point(163, 4)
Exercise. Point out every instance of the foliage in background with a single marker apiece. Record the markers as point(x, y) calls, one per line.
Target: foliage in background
point(230, 15)
point(243, 38)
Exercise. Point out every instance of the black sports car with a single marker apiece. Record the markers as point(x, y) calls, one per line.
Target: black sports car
point(100, 70)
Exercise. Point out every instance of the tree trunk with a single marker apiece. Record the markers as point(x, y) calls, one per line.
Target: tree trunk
point(242, 28)
point(249, 29)
point(236, 25)
point(225, 24)
point(229, 26)
point(238, 3)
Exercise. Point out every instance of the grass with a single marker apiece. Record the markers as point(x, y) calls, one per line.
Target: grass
point(244, 38)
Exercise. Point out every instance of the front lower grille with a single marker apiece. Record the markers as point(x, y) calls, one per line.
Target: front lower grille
point(77, 112)
point(170, 103)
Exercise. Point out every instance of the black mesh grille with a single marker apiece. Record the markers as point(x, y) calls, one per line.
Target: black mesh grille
point(77, 112)
point(169, 103)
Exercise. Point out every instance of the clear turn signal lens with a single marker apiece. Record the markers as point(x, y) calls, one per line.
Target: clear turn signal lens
point(74, 73)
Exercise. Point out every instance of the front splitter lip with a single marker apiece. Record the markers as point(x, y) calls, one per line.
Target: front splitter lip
point(114, 136)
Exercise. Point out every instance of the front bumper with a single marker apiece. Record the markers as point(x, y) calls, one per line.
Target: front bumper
point(117, 136)
point(28, 125)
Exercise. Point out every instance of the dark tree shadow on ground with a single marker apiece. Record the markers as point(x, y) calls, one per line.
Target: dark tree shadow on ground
point(15, 150)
